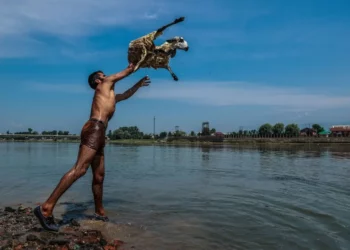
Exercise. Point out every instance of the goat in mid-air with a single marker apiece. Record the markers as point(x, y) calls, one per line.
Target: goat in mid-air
point(143, 53)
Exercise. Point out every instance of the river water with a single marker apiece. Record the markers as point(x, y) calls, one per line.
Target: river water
point(167, 197)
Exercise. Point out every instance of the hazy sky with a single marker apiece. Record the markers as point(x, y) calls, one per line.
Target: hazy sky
point(250, 62)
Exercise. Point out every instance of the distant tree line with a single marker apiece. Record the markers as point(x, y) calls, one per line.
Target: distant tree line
point(55, 132)
point(133, 132)
point(31, 132)
point(277, 130)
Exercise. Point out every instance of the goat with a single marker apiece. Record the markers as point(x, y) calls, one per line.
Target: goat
point(143, 53)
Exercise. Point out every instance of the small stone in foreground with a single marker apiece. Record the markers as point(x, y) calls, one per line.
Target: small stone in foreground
point(32, 237)
point(59, 242)
point(21, 208)
point(74, 223)
point(10, 209)
point(103, 242)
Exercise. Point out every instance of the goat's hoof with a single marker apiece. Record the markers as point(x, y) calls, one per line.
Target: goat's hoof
point(175, 78)
point(181, 19)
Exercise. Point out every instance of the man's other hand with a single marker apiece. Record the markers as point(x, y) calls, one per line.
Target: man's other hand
point(145, 81)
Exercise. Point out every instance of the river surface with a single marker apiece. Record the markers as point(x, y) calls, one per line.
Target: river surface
point(167, 197)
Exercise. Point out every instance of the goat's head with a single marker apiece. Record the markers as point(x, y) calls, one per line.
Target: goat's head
point(178, 42)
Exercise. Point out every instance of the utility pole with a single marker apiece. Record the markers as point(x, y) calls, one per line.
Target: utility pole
point(154, 127)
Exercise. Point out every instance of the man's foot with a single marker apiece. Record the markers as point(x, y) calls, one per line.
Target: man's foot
point(47, 223)
point(100, 217)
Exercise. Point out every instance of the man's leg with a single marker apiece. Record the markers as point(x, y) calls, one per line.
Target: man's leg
point(44, 212)
point(98, 172)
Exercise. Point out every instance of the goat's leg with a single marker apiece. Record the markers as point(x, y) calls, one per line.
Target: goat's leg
point(143, 56)
point(160, 30)
point(172, 73)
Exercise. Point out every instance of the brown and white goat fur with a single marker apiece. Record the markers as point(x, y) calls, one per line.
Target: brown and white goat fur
point(143, 53)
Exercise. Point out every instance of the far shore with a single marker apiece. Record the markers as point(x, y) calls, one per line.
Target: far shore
point(226, 141)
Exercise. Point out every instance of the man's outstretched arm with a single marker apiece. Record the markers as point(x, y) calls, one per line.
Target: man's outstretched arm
point(143, 82)
point(120, 75)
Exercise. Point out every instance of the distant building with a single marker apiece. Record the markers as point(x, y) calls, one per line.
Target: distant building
point(205, 128)
point(308, 132)
point(340, 130)
point(324, 133)
point(219, 134)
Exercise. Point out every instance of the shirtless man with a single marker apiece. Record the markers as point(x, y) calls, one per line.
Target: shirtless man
point(91, 150)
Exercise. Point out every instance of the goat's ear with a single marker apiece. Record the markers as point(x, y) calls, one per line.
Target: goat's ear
point(170, 40)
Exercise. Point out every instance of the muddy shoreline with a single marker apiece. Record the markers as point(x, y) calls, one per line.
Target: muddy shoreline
point(20, 229)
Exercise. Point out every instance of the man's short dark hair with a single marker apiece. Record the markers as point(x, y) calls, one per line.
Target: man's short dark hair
point(92, 79)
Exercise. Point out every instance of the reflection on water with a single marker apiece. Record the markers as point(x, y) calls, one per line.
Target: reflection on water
point(205, 153)
point(210, 197)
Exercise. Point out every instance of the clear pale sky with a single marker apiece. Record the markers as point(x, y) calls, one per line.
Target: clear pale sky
point(250, 62)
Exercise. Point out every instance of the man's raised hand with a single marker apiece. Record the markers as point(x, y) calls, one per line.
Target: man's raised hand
point(131, 66)
point(145, 81)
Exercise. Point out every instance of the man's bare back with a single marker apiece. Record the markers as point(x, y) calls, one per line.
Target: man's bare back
point(91, 149)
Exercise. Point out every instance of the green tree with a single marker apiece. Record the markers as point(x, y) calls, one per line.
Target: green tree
point(127, 135)
point(179, 133)
point(30, 130)
point(35, 133)
point(132, 132)
point(110, 135)
point(265, 129)
point(170, 134)
point(163, 134)
point(193, 133)
point(318, 128)
point(121, 133)
point(147, 136)
point(212, 131)
point(278, 128)
point(252, 132)
point(8, 132)
point(292, 129)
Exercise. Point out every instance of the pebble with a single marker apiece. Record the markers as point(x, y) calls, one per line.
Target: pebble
point(10, 209)
point(74, 223)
